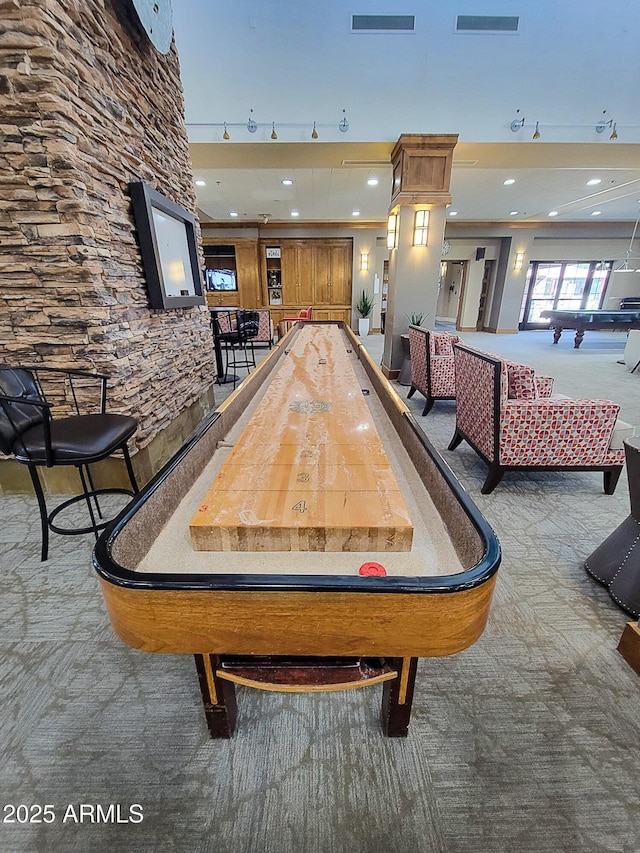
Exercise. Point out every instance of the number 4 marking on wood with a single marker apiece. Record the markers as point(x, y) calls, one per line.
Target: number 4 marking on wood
point(301, 506)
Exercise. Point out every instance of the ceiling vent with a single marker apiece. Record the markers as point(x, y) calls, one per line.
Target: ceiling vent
point(487, 23)
point(366, 163)
point(383, 23)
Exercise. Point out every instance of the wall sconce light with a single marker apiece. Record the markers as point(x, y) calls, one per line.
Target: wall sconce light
point(536, 132)
point(274, 135)
point(519, 261)
point(225, 135)
point(421, 228)
point(364, 261)
point(392, 231)
point(314, 132)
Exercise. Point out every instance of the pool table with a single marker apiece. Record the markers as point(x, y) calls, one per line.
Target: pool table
point(583, 320)
point(301, 620)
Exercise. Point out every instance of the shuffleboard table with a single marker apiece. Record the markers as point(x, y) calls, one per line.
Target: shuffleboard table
point(583, 320)
point(383, 557)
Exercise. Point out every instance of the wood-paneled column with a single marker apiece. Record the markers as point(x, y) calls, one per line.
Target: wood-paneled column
point(421, 179)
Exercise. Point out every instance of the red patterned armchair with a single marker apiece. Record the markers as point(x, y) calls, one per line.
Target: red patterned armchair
point(432, 365)
point(507, 415)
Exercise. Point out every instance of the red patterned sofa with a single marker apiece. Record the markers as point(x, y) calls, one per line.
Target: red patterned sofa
point(432, 365)
point(507, 415)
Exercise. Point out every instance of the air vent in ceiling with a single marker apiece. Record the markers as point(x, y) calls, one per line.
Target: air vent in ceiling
point(487, 23)
point(366, 163)
point(384, 23)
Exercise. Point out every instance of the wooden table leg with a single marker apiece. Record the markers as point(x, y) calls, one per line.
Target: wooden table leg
point(218, 697)
point(557, 331)
point(578, 338)
point(397, 696)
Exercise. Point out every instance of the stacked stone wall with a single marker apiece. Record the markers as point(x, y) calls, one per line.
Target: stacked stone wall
point(87, 105)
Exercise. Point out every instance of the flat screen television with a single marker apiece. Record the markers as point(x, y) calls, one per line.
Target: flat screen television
point(221, 280)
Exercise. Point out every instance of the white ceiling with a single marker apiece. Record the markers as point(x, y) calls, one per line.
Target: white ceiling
point(289, 63)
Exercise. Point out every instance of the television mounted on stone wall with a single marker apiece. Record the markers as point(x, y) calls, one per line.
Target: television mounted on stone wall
point(168, 247)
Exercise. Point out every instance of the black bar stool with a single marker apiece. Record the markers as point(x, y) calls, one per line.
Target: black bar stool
point(36, 439)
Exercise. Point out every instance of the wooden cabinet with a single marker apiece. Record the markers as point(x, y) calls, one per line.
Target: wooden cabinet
point(240, 257)
point(311, 272)
point(297, 273)
point(332, 273)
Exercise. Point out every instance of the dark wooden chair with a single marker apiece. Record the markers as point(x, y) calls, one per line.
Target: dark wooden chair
point(36, 439)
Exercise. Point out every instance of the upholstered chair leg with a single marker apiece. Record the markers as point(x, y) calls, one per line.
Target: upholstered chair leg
point(44, 519)
point(455, 441)
point(428, 405)
point(611, 477)
point(412, 391)
point(493, 478)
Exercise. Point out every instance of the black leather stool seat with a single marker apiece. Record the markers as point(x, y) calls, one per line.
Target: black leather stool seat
point(76, 439)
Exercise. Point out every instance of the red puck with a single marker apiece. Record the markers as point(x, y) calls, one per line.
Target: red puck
point(373, 569)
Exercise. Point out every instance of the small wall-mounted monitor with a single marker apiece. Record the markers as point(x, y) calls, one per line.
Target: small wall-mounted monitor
point(167, 238)
point(221, 280)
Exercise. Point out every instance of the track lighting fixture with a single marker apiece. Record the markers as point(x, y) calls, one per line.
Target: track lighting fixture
point(252, 126)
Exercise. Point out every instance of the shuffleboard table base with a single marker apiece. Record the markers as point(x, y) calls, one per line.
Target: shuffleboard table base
point(218, 675)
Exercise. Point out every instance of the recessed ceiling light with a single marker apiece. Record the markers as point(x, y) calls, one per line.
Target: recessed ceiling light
point(509, 181)
point(355, 213)
point(295, 213)
point(553, 213)
point(287, 182)
point(201, 183)
point(453, 213)
point(594, 181)
point(232, 213)
point(513, 213)
point(596, 212)
point(373, 182)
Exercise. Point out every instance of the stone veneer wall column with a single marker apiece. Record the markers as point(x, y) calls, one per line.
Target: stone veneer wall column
point(87, 105)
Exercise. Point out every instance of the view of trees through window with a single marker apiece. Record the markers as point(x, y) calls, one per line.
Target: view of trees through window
point(563, 285)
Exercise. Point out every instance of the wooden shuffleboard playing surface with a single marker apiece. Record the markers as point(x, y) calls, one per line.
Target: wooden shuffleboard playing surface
point(309, 472)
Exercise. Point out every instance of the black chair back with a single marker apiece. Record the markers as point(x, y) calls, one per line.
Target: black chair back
point(248, 323)
point(16, 417)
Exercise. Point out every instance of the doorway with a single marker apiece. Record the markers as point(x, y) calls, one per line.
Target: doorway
point(452, 281)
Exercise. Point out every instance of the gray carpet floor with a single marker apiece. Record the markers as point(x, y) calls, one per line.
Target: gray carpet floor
point(528, 742)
